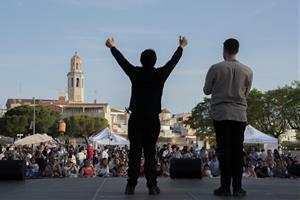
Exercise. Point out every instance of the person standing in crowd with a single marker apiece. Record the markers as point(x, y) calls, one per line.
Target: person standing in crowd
point(229, 83)
point(145, 106)
point(104, 153)
point(80, 156)
point(263, 154)
point(270, 161)
point(90, 152)
point(41, 157)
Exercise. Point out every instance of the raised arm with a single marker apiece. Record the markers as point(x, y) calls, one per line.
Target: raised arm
point(170, 65)
point(125, 65)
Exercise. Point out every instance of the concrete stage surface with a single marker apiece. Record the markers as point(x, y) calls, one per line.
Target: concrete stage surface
point(171, 189)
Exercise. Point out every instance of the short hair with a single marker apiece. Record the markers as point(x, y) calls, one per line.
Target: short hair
point(231, 45)
point(148, 58)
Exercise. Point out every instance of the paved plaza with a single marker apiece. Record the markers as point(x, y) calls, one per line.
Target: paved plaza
point(171, 189)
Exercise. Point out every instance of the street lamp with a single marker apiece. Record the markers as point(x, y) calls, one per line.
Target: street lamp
point(33, 126)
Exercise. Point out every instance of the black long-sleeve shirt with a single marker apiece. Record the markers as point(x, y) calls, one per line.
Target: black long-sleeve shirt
point(147, 83)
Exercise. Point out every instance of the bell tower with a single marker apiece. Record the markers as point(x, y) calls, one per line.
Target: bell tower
point(75, 80)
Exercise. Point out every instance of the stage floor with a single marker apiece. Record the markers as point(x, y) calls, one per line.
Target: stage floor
point(112, 188)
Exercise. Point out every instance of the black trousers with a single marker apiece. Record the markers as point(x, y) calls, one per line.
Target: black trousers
point(143, 132)
point(230, 138)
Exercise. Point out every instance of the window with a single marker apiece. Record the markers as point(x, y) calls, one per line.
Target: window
point(77, 82)
point(82, 83)
point(72, 82)
point(76, 66)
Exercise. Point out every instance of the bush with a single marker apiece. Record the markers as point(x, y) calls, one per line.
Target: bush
point(287, 145)
point(298, 136)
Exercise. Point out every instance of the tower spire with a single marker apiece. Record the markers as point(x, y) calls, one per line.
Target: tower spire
point(75, 80)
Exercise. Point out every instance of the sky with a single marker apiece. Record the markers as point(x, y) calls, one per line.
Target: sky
point(38, 39)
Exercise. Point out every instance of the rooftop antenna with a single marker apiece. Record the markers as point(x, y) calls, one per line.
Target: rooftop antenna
point(33, 128)
point(20, 90)
point(95, 94)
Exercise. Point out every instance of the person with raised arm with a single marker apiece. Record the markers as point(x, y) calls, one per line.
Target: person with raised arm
point(147, 83)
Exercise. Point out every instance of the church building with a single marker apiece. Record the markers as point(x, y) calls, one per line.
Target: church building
point(73, 103)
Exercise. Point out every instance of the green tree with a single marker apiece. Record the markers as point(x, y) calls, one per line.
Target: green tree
point(19, 119)
point(266, 111)
point(12, 125)
point(256, 113)
point(201, 119)
point(272, 112)
point(293, 105)
point(298, 136)
point(275, 111)
point(84, 126)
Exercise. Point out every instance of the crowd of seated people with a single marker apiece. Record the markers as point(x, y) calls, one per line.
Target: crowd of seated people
point(85, 161)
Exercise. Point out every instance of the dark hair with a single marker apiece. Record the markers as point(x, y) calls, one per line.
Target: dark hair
point(148, 58)
point(231, 45)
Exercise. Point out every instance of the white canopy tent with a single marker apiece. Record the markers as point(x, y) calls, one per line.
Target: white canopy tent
point(107, 137)
point(254, 136)
point(34, 139)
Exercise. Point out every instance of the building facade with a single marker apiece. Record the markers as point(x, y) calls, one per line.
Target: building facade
point(2, 112)
point(73, 103)
point(119, 120)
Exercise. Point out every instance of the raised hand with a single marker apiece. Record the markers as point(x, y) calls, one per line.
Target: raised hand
point(110, 42)
point(182, 41)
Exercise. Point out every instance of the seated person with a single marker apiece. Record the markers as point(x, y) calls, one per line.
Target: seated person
point(158, 169)
point(53, 168)
point(261, 169)
point(71, 170)
point(87, 170)
point(121, 171)
point(102, 168)
point(294, 170)
point(142, 167)
point(206, 171)
point(249, 170)
point(279, 169)
point(114, 166)
point(33, 168)
point(214, 166)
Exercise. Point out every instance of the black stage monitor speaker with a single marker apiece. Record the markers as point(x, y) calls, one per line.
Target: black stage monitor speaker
point(12, 169)
point(294, 170)
point(185, 168)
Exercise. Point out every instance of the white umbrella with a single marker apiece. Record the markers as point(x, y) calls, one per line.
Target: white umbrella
point(34, 139)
